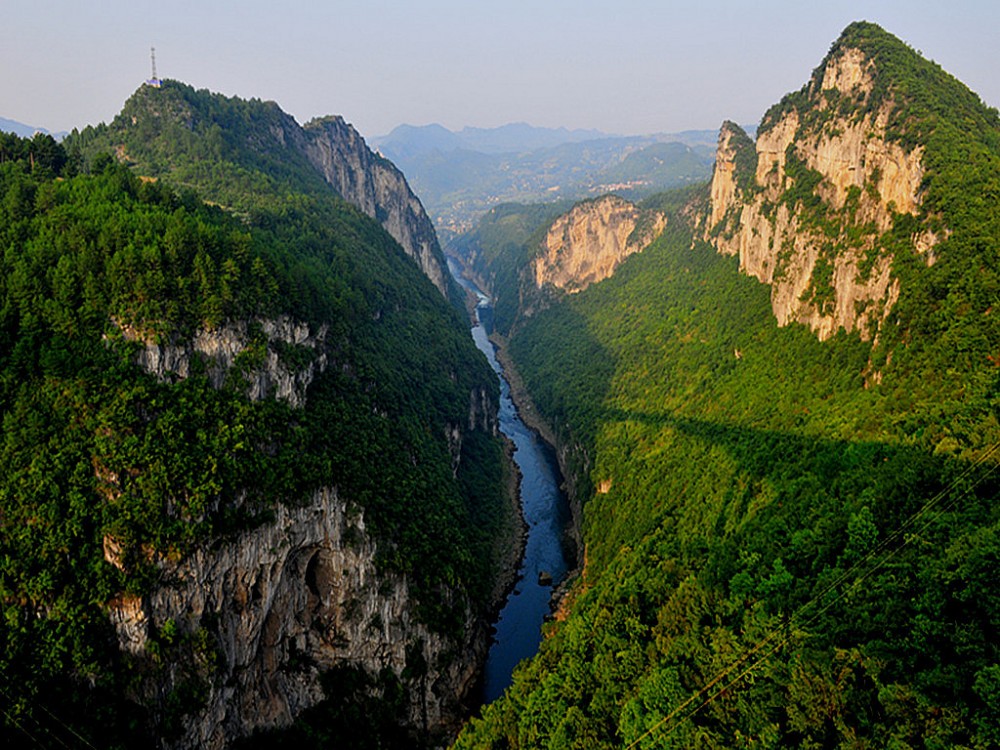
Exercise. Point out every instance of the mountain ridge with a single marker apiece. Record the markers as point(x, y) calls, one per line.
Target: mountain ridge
point(789, 493)
point(27, 131)
point(327, 150)
point(510, 138)
point(207, 351)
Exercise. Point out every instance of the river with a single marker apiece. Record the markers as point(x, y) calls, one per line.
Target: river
point(546, 513)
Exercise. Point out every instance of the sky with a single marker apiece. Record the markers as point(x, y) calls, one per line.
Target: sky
point(621, 66)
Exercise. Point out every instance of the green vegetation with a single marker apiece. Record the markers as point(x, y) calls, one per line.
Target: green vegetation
point(460, 179)
point(232, 151)
point(796, 541)
point(104, 463)
point(500, 248)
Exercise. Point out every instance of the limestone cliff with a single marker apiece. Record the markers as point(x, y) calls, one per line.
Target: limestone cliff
point(589, 242)
point(378, 188)
point(808, 206)
point(271, 350)
point(249, 623)
point(266, 612)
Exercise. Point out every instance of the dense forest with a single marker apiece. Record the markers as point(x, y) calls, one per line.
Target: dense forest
point(95, 448)
point(789, 542)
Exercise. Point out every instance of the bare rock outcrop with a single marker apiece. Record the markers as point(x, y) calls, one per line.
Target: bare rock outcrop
point(277, 357)
point(589, 242)
point(375, 186)
point(806, 207)
point(274, 607)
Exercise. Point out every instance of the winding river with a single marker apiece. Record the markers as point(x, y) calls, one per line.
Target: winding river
point(546, 513)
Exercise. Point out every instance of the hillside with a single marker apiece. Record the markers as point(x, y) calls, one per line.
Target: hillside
point(781, 418)
point(203, 355)
point(246, 154)
point(461, 176)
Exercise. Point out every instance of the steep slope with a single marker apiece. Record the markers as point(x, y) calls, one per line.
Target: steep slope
point(158, 125)
point(526, 255)
point(374, 185)
point(790, 512)
point(588, 243)
point(193, 400)
point(836, 178)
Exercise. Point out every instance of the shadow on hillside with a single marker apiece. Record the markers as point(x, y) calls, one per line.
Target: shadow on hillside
point(800, 498)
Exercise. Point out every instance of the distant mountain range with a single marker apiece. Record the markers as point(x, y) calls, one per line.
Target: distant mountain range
point(460, 175)
point(511, 138)
point(25, 131)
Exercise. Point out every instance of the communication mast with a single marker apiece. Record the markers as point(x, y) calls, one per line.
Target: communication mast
point(154, 81)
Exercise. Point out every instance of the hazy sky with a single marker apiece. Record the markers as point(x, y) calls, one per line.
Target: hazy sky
point(622, 66)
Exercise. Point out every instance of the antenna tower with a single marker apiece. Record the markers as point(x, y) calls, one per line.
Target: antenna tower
point(154, 81)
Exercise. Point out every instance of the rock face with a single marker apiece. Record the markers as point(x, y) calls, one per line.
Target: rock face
point(587, 244)
point(284, 602)
point(375, 186)
point(254, 620)
point(805, 207)
point(273, 352)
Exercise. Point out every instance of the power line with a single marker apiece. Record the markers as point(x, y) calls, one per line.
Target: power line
point(43, 728)
point(877, 551)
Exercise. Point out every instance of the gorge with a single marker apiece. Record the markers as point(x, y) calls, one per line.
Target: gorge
point(256, 493)
point(517, 630)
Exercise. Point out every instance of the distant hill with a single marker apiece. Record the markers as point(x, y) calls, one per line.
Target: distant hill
point(461, 175)
point(510, 138)
point(25, 131)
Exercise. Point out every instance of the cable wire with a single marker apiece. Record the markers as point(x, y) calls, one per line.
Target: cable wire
point(877, 551)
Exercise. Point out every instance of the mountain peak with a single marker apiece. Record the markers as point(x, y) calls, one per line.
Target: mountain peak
point(874, 70)
point(843, 169)
point(237, 149)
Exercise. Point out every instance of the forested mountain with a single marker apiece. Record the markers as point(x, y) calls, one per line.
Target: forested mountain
point(247, 154)
point(781, 418)
point(250, 455)
point(460, 176)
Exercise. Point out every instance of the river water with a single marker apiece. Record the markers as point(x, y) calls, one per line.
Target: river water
point(546, 513)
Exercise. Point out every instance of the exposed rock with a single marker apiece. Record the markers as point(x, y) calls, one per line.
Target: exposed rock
point(281, 603)
point(263, 614)
point(265, 344)
point(587, 244)
point(821, 274)
point(378, 188)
